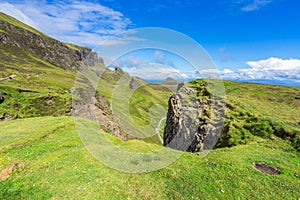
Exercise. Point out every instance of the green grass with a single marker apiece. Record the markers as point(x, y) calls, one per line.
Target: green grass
point(40, 88)
point(271, 101)
point(50, 153)
point(2, 31)
point(73, 46)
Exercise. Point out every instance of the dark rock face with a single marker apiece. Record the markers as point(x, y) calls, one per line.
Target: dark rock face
point(182, 121)
point(188, 125)
point(53, 51)
point(133, 83)
point(93, 106)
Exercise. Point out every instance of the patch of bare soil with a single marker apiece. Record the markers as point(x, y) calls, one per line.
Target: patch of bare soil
point(267, 168)
point(7, 171)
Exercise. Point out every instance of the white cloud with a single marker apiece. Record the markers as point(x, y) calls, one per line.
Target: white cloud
point(275, 64)
point(274, 69)
point(129, 62)
point(155, 71)
point(255, 5)
point(211, 73)
point(12, 11)
point(76, 22)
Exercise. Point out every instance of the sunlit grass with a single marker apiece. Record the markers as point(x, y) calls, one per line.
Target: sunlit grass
point(59, 156)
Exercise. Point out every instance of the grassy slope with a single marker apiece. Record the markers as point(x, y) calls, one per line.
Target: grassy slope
point(42, 81)
point(270, 101)
point(38, 81)
point(50, 153)
point(15, 22)
point(262, 110)
point(259, 110)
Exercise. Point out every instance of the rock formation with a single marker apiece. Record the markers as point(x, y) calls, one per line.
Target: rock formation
point(189, 126)
point(182, 121)
point(88, 103)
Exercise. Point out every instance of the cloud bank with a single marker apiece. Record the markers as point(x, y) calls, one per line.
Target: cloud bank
point(156, 71)
point(149, 65)
point(272, 69)
point(76, 22)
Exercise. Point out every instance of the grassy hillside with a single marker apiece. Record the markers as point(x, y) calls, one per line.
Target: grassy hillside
point(40, 87)
point(49, 152)
point(266, 111)
point(37, 83)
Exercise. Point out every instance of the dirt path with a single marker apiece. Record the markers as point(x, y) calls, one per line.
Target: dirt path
point(157, 130)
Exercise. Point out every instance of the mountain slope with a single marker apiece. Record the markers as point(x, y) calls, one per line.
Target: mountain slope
point(35, 44)
point(46, 70)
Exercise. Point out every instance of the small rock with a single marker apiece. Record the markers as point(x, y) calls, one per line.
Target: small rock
point(264, 168)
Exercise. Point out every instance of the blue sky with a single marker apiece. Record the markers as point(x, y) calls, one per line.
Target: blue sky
point(247, 39)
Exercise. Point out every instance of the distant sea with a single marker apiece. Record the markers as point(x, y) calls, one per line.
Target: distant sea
point(272, 82)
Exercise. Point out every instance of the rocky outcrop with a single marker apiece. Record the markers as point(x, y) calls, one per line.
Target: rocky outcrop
point(189, 126)
point(60, 54)
point(88, 103)
point(133, 83)
point(182, 121)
